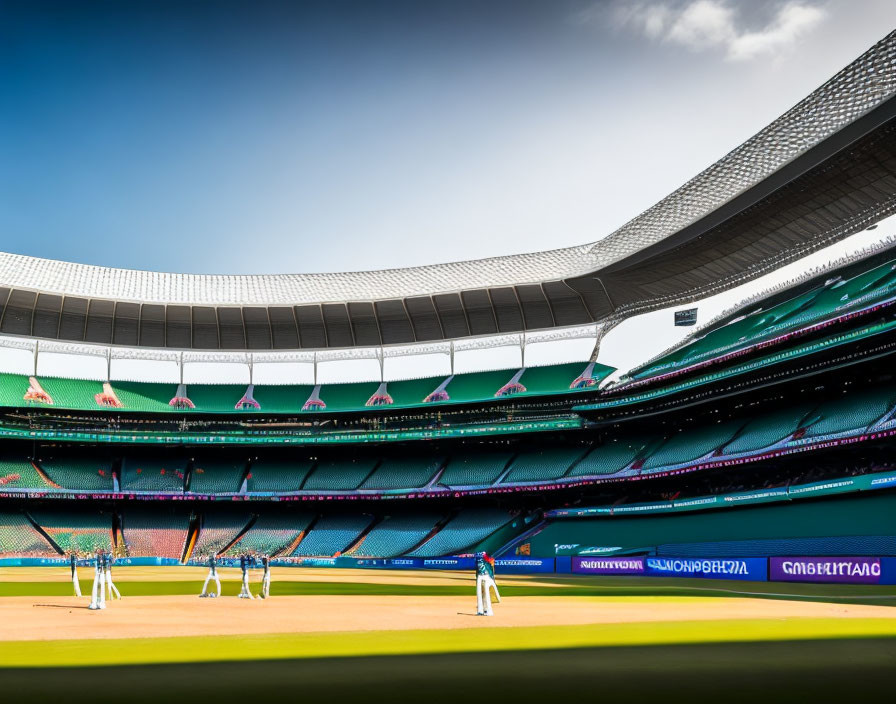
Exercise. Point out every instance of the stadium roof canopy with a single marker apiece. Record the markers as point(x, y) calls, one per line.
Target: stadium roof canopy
point(819, 173)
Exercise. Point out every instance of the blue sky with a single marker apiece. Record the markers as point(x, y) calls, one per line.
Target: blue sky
point(257, 137)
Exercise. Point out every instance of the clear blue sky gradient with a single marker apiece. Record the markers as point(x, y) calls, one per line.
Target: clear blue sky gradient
point(261, 137)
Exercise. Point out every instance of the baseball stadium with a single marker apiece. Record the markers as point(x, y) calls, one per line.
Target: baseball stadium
point(717, 519)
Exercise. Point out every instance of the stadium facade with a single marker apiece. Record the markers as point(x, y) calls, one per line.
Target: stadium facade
point(767, 433)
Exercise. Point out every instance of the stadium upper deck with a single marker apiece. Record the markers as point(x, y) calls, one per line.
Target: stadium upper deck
point(822, 171)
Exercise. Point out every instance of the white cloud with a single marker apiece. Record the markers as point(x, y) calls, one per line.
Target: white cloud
point(792, 21)
point(701, 25)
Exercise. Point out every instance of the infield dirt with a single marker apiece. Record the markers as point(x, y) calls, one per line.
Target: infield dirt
point(30, 618)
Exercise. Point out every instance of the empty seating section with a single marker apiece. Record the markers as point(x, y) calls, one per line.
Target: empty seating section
point(853, 412)
point(545, 464)
point(155, 397)
point(280, 399)
point(612, 456)
point(465, 530)
point(79, 532)
point(824, 302)
point(557, 378)
point(332, 534)
point(345, 397)
point(12, 389)
point(154, 533)
point(396, 535)
point(19, 473)
point(339, 474)
point(278, 475)
point(144, 396)
point(478, 386)
point(403, 472)
point(769, 428)
point(78, 473)
point(70, 393)
point(847, 295)
point(690, 445)
point(412, 392)
point(153, 473)
point(475, 469)
point(217, 476)
point(18, 538)
point(272, 534)
point(215, 398)
point(219, 529)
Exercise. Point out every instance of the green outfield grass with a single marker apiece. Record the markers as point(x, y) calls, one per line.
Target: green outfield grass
point(793, 659)
point(551, 586)
point(819, 670)
point(133, 651)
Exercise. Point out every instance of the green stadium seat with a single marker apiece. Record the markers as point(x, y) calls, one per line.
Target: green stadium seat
point(465, 530)
point(272, 534)
point(855, 411)
point(148, 472)
point(18, 538)
point(475, 469)
point(613, 456)
point(217, 476)
point(155, 532)
point(339, 474)
point(768, 429)
point(219, 528)
point(542, 465)
point(78, 532)
point(332, 534)
point(78, 473)
point(19, 473)
point(403, 473)
point(396, 535)
point(278, 475)
point(690, 445)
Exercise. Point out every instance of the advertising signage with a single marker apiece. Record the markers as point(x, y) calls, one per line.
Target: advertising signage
point(747, 568)
point(608, 565)
point(844, 570)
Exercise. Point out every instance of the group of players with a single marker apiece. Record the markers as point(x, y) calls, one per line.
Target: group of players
point(246, 563)
point(102, 580)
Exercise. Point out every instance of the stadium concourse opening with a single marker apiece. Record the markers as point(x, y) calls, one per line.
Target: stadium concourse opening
point(717, 520)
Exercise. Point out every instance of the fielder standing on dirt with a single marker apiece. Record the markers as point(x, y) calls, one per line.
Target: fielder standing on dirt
point(266, 579)
point(75, 583)
point(212, 575)
point(485, 580)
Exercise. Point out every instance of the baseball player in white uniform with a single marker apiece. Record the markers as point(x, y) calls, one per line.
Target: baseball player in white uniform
point(485, 581)
point(98, 595)
point(266, 579)
point(212, 575)
point(244, 589)
point(110, 585)
point(75, 583)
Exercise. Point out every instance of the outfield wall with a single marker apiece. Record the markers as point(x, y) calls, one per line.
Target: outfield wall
point(830, 569)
